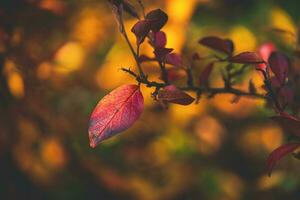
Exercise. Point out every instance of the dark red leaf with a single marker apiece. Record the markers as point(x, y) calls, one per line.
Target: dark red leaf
point(246, 58)
point(141, 30)
point(286, 95)
point(174, 59)
point(275, 83)
point(278, 153)
point(288, 123)
point(216, 43)
point(161, 53)
point(279, 64)
point(115, 113)
point(160, 39)
point(158, 19)
point(172, 94)
point(204, 76)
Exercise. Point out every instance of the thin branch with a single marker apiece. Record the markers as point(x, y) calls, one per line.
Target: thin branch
point(135, 54)
point(198, 90)
point(163, 71)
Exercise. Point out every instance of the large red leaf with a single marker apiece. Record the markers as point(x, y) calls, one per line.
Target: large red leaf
point(278, 153)
point(279, 64)
point(246, 58)
point(115, 113)
point(219, 44)
point(172, 94)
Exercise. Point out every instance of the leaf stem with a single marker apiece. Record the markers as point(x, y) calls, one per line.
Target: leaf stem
point(135, 54)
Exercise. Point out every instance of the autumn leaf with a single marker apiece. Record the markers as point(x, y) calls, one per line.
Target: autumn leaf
point(279, 65)
point(216, 43)
point(115, 113)
point(278, 153)
point(172, 94)
point(174, 59)
point(246, 58)
point(158, 19)
point(141, 30)
point(160, 39)
point(161, 53)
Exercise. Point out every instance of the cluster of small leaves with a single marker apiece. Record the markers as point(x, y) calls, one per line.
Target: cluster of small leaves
point(119, 110)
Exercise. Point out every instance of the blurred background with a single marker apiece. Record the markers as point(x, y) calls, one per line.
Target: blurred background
point(58, 58)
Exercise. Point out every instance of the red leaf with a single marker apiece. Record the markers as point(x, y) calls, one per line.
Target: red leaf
point(216, 43)
point(265, 51)
point(203, 78)
point(288, 123)
point(279, 64)
point(274, 82)
point(158, 19)
point(141, 30)
point(160, 39)
point(115, 113)
point(246, 58)
point(278, 153)
point(174, 59)
point(174, 95)
point(161, 53)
